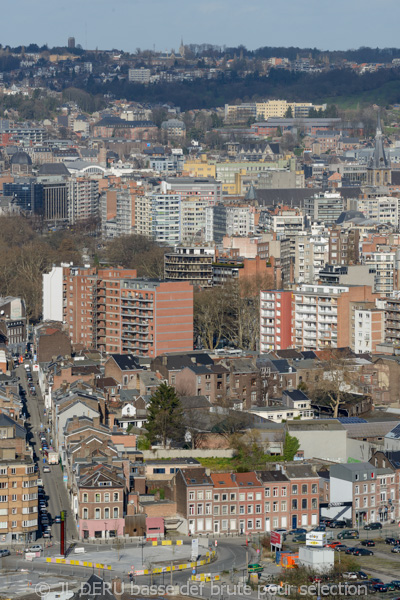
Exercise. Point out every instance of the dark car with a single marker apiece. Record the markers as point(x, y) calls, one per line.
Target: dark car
point(369, 543)
point(297, 531)
point(320, 528)
point(350, 534)
point(57, 519)
point(396, 549)
point(396, 583)
point(301, 537)
point(338, 524)
point(373, 526)
point(390, 540)
point(362, 552)
point(351, 550)
point(362, 575)
point(341, 548)
point(375, 580)
point(380, 587)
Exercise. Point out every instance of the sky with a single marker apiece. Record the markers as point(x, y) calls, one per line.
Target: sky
point(160, 24)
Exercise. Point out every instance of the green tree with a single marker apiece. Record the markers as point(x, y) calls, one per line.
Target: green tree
point(289, 113)
point(165, 416)
point(290, 447)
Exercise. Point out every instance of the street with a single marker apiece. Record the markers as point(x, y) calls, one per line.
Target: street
point(54, 486)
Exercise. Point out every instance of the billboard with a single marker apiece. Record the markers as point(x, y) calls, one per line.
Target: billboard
point(276, 539)
point(316, 538)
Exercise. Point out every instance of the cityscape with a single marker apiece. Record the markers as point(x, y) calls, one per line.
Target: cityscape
point(199, 322)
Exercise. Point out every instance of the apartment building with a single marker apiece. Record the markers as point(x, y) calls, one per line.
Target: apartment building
point(83, 198)
point(204, 188)
point(190, 263)
point(310, 257)
point(275, 330)
point(111, 310)
point(325, 207)
point(367, 327)
point(383, 209)
point(386, 262)
point(343, 246)
point(392, 319)
point(166, 218)
point(240, 220)
point(285, 220)
point(139, 75)
point(322, 315)
point(18, 481)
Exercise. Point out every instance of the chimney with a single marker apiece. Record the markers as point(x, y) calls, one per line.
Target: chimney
point(111, 419)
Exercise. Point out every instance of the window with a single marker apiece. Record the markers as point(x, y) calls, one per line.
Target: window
point(225, 510)
point(258, 508)
point(97, 498)
point(304, 503)
point(314, 503)
point(208, 495)
point(191, 495)
point(84, 498)
point(294, 489)
point(241, 509)
point(294, 504)
point(283, 491)
point(250, 524)
point(97, 513)
point(250, 496)
point(208, 509)
point(249, 509)
point(216, 510)
point(224, 524)
point(216, 497)
point(267, 492)
point(267, 507)
point(116, 512)
point(233, 497)
point(304, 488)
point(314, 488)
point(233, 509)
point(356, 489)
point(200, 495)
point(258, 523)
point(85, 513)
point(275, 507)
point(107, 497)
point(116, 496)
point(275, 492)
point(224, 497)
point(199, 509)
point(191, 509)
point(283, 506)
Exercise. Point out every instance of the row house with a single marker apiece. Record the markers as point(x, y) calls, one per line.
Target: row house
point(245, 503)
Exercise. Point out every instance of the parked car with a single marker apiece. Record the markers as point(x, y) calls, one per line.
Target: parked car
point(46, 469)
point(333, 544)
point(373, 526)
point(349, 575)
point(272, 588)
point(348, 534)
point(380, 587)
point(57, 519)
point(374, 580)
point(301, 537)
point(368, 543)
point(362, 552)
point(46, 534)
point(40, 482)
point(297, 531)
point(337, 524)
point(4, 552)
point(396, 583)
point(396, 549)
point(35, 548)
point(392, 541)
point(362, 575)
point(341, 548)
point(320, 528)
point(252, 568)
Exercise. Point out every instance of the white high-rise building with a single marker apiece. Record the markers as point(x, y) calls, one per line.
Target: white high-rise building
point(53, 295)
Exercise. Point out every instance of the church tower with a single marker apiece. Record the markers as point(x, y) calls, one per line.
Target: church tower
point(379, 169)
point(182, 49)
